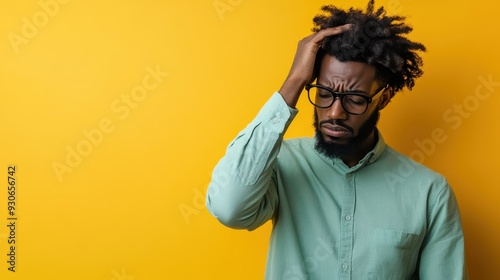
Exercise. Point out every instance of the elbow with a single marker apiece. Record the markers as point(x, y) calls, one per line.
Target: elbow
point(231, 221)
point(225, 213)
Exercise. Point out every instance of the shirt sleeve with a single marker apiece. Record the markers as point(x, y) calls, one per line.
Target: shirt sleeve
point(243, 193)
point(443, 254)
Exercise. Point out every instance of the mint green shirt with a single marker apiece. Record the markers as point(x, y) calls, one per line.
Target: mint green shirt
point(386, 218)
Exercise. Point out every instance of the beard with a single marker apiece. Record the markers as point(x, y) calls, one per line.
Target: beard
point(353, 145)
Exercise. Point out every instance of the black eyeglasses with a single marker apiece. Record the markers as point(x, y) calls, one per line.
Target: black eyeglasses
point(353, 102)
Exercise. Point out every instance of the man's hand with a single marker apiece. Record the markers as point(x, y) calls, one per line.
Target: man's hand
point(302, 71)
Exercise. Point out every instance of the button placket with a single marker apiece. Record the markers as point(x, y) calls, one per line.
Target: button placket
point(347, 226)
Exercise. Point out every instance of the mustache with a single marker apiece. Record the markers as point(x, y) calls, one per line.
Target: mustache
point(336, 122)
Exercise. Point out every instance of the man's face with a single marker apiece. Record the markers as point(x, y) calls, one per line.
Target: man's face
point(339, 133)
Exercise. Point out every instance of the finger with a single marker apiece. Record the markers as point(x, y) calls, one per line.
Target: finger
point(323, 33)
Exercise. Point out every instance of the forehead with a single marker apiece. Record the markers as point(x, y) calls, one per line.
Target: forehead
point(351, 73)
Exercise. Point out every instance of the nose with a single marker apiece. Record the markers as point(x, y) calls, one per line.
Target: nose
point(336, 111)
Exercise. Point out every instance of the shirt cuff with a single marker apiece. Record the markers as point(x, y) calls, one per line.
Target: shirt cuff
point(276, 114)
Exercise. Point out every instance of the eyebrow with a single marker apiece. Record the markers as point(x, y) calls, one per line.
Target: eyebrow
point(347, 91)
point(356, 91)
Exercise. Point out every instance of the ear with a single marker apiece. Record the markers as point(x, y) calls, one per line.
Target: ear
point(385, 98)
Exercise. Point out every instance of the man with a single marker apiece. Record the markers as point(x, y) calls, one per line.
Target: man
point(344, 205)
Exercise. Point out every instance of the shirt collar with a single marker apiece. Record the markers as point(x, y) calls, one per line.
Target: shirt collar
point(368, 159)
point(375, 153)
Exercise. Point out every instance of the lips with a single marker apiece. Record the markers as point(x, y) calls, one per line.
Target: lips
point(336, 131)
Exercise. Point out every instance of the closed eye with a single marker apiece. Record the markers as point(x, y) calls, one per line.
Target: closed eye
point(356, 99)
point(356, 102)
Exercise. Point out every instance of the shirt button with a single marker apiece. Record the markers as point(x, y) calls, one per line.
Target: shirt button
point(277, 118)
point(345, 267)
point(348, 217)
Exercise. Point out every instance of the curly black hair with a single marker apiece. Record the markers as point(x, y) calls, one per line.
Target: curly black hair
point(376, 39)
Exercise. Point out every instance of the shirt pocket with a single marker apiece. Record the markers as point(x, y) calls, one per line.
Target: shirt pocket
point(393, 255)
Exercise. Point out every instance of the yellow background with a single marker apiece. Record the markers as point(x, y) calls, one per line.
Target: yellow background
point(133, 206)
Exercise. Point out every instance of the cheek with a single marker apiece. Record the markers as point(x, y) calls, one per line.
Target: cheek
point(355, 122)
point(319, 115)
point(322, 113)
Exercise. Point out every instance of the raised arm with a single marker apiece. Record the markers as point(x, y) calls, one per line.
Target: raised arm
point(243, 190)
point(302, 70)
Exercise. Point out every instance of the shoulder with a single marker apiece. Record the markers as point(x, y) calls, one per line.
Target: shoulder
point(400, 167)
point(297, 151)
point(297, 145)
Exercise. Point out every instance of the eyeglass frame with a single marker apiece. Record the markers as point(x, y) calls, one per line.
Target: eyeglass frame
point(342, 95)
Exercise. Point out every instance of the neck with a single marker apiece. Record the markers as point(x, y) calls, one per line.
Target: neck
point(366, 146)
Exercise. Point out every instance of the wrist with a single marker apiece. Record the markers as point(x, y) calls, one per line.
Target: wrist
point(291, 90)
